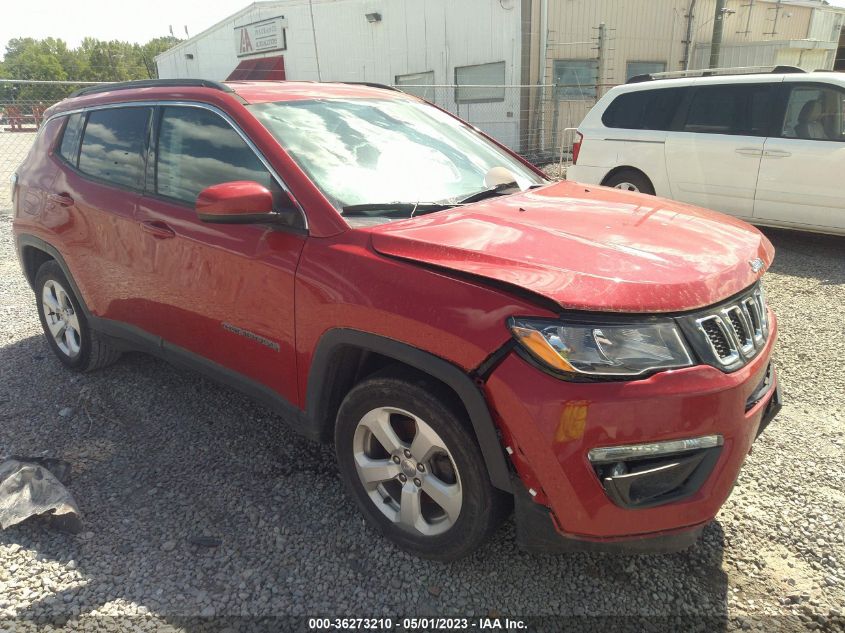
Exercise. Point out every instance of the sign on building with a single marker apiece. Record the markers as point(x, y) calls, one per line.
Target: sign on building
point(261, 37)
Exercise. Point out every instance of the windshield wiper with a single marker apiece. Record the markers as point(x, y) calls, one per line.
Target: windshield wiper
point(406, 207)
point(496, 190)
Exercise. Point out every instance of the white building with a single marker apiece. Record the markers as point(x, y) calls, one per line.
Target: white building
point(477, 57)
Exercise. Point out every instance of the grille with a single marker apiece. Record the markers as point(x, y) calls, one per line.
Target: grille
point(729, 335)
point(715, 334)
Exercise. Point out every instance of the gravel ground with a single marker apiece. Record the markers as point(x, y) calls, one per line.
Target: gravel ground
point(196, 502)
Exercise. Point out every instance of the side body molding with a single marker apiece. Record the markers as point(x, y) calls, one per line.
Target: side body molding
point(325, 366)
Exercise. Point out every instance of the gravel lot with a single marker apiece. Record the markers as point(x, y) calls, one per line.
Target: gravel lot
point(162, 457)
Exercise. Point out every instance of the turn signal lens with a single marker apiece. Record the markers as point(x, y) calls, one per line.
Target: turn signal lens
point(535, 343)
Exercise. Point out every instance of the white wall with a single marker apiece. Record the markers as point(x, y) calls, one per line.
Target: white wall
point(413, 36)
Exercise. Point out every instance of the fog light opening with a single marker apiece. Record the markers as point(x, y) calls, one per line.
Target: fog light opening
point(647, 475)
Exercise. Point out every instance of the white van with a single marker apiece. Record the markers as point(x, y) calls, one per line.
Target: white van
point(765, 147)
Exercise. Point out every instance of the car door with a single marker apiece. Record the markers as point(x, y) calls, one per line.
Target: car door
point(102, 172)
point(221, 292)
point(804, 159)
point(714, 153)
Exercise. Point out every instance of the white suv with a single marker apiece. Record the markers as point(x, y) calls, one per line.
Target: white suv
point(768, 148)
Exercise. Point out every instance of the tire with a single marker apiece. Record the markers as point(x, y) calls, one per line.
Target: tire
point(400, 500)
point(68, 334)
point(630, 180)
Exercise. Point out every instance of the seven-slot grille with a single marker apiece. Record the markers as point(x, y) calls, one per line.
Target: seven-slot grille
point(729, 335)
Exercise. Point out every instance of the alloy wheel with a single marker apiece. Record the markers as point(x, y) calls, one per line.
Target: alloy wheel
point(407, 471)
point(61, 318)
point(626, 186)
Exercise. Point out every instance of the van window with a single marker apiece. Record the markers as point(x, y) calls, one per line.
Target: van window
point(197, 149)
point(815, 113)
point(644, 109)
point(741, 109)
point(113, 145)
point(69, 149)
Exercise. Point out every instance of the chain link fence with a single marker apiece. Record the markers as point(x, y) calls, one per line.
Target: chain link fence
point(22, 106)
point(535, 121)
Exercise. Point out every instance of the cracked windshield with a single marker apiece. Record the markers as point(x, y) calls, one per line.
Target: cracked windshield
point(382, 159)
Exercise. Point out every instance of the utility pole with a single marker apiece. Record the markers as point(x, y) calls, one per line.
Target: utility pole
point(718, 24)
point(601, 58)
point(688, 41)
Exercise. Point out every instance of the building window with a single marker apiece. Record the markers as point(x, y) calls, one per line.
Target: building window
point(481, 83)
point(417, 84)
point(644, 68)
point(576, 79)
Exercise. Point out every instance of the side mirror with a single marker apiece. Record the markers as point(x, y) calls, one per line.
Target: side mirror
point(237, 202)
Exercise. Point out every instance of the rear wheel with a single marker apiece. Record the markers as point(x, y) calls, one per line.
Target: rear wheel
point(630, 180)
point(414, 469)
point(70, 337)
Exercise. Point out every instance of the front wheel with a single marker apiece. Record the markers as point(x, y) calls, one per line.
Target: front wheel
point(414, 469)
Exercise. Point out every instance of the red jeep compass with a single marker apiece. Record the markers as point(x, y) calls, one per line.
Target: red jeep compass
point(473, 337)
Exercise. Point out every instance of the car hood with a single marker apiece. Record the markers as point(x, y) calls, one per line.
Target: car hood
point(588, 248)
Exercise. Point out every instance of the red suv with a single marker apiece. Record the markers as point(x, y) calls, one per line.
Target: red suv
point(473, 337)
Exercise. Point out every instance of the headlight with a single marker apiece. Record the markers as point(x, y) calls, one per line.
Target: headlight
point(607, 349)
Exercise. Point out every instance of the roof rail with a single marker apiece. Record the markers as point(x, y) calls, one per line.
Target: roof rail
point(371, 85)
point(712, 72)
point(152, 83)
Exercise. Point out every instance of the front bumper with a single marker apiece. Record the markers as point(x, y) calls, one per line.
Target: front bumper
point(550, 426)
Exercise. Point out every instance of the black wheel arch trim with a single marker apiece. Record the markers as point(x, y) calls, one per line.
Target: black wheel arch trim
point(26, 240)
point(318, 402)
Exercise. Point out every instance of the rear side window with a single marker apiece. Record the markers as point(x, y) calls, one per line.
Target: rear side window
point(743, 109)
point(644, 109)
point(113, 145)
point(197, 149)
point(69, 149)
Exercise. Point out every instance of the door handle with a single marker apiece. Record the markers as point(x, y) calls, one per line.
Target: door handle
point(749, 151)
point(776, 153)
point(61, 199)
point(157, 229)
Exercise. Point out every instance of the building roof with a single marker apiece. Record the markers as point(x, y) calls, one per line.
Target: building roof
point(222, 22)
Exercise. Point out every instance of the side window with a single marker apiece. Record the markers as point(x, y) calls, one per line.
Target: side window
point(815, 113)
point(644, 109)
point(69, 149)
point(715, 110)
point(742, 109)
point(197, 149)
point(113, 145)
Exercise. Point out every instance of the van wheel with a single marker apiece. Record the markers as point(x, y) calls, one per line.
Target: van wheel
point(630, 180)
point(65, 326)
point(414, 469)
